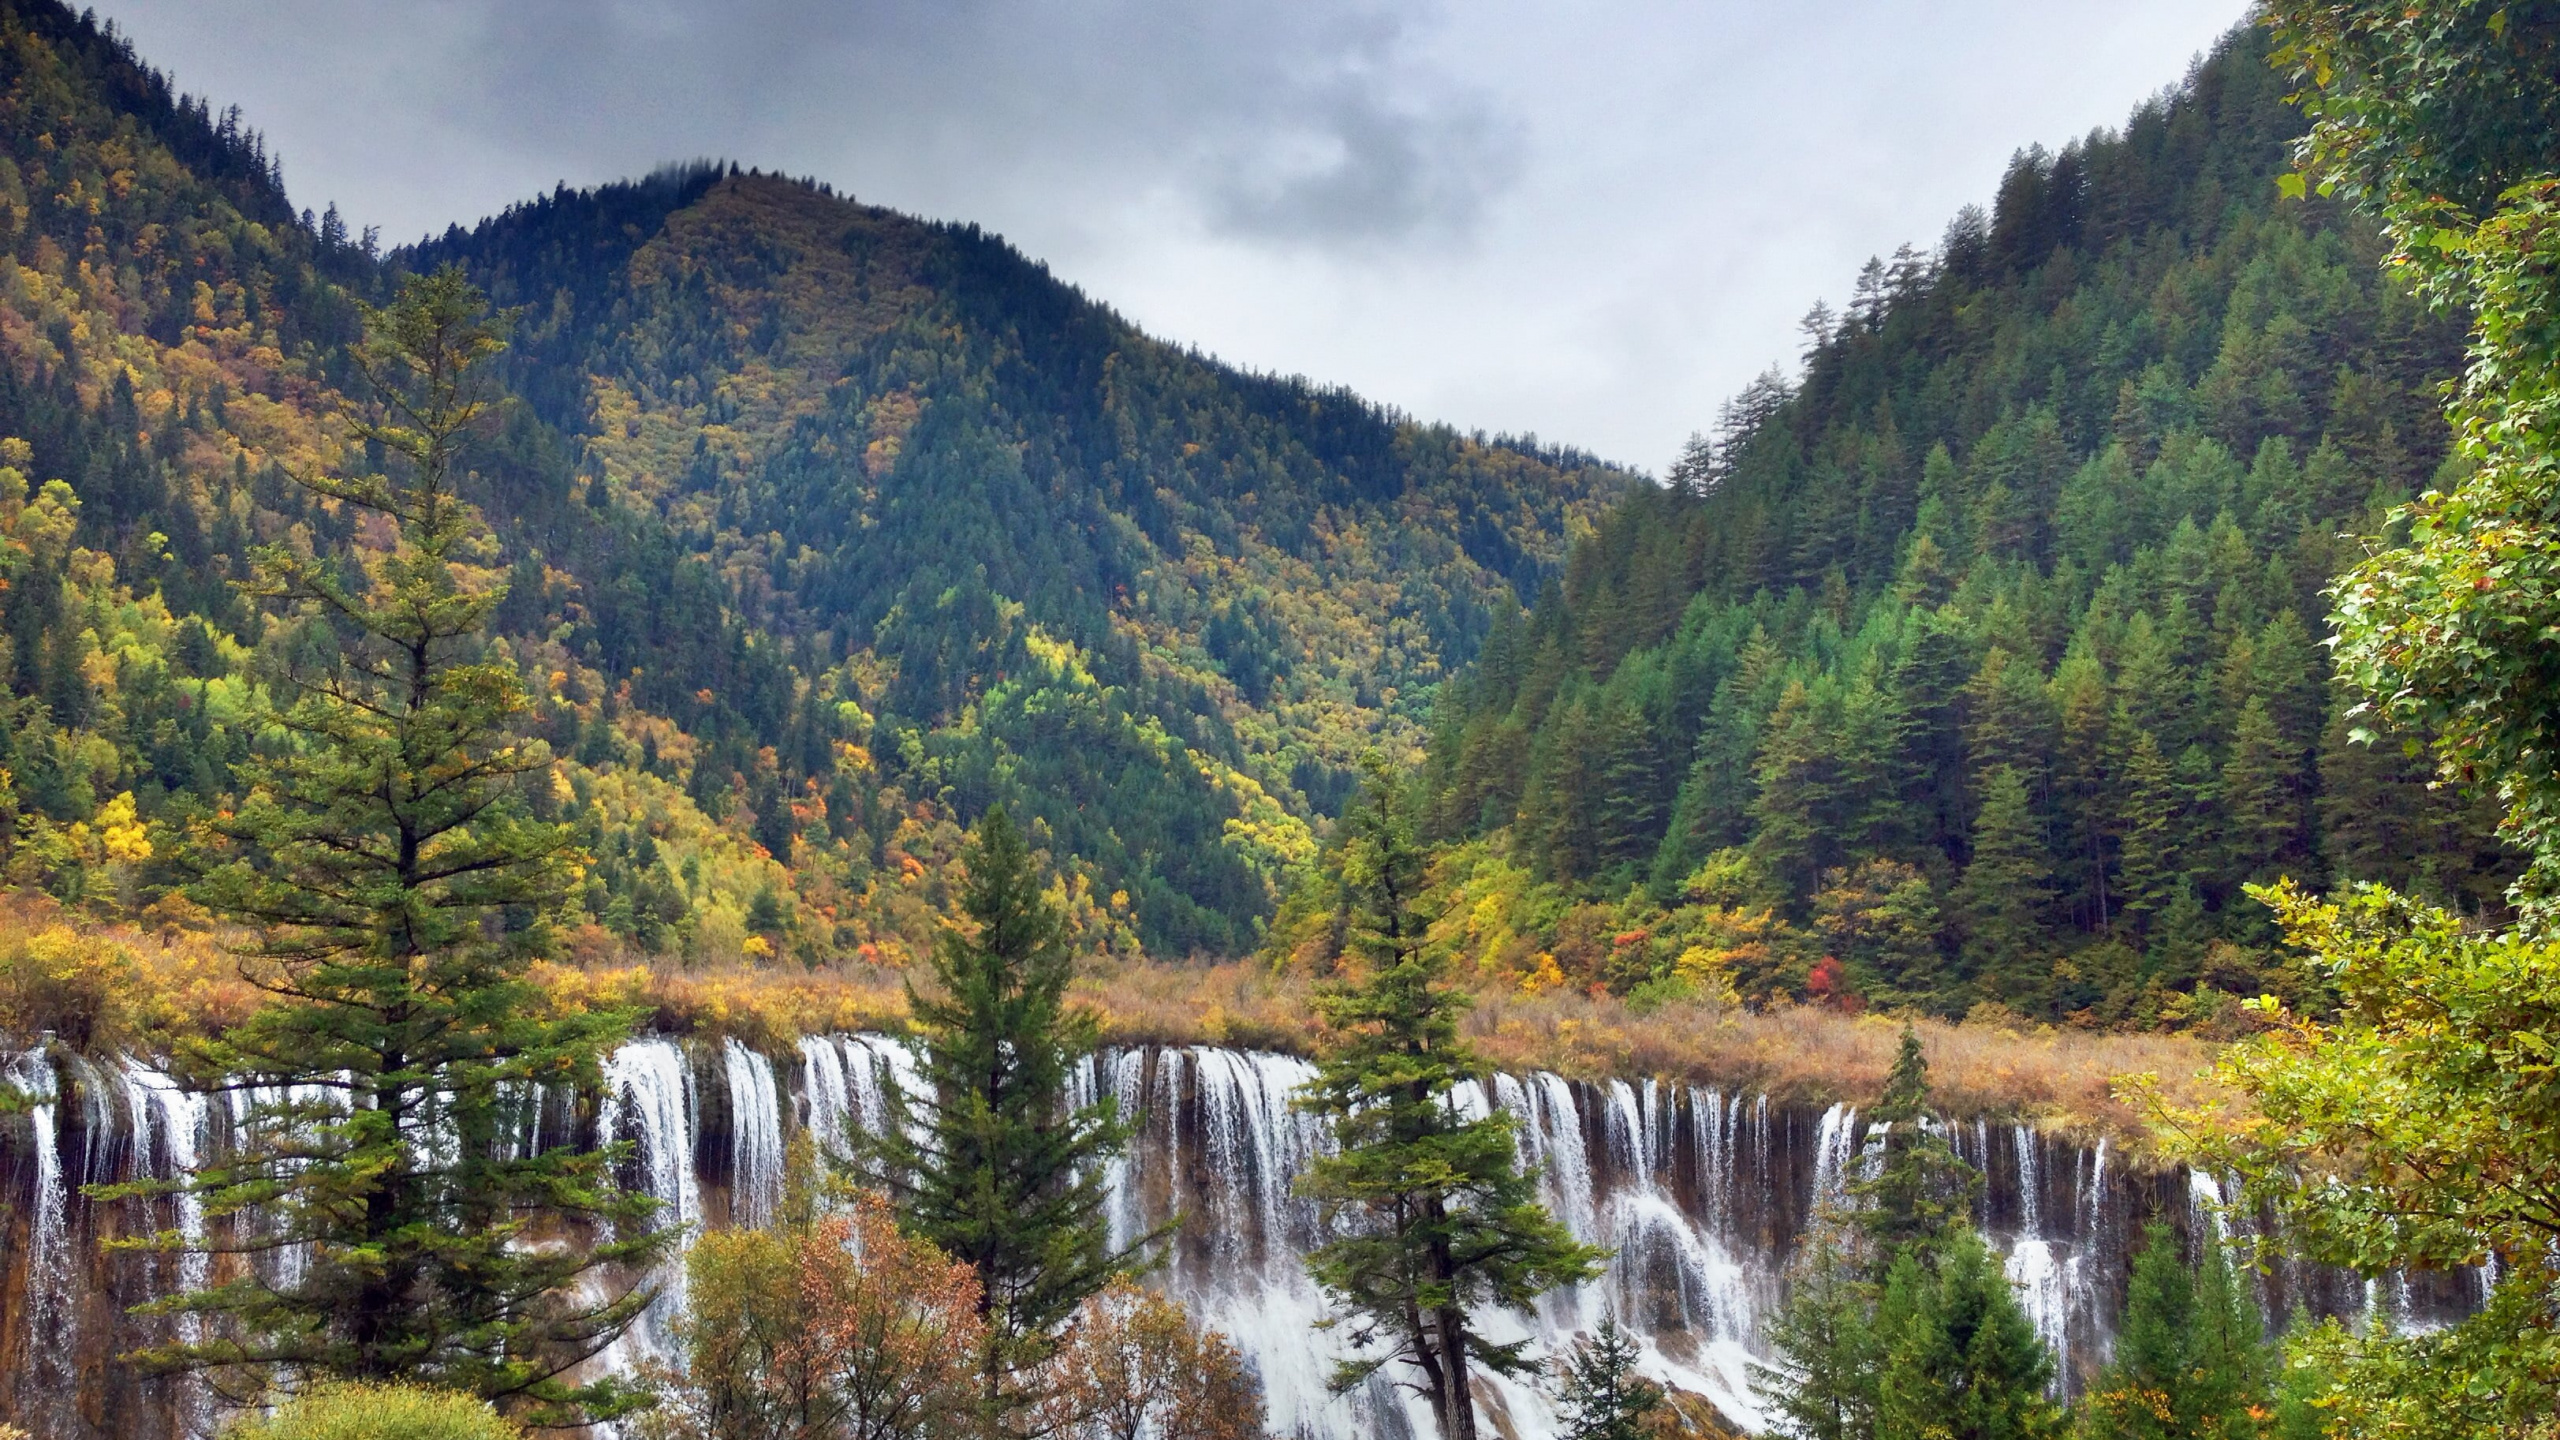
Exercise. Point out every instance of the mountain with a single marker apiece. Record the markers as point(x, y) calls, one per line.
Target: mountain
point(1981, 660)
point(827, 529)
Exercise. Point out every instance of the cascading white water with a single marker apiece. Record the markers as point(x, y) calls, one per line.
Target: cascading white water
point(823, 1088)
point(755, 1136)
point(48, 1240)
point(649, 1099)
point(2204, 1200)
point(2042, 1267)
point(174, 1121)
point(1835, 1145)
point(1554, 1113)
point(1702, 1210)
point(177, 1117)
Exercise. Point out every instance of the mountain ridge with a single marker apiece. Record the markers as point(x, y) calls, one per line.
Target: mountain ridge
point(826, 529)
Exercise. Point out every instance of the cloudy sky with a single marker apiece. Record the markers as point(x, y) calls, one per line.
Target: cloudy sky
point(1589, 220)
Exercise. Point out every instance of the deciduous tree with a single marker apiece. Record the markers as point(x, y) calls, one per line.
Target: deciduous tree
point(1135, 1367)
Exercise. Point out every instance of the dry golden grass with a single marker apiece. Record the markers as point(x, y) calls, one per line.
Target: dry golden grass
point(109, 985)
point(2064, 1080)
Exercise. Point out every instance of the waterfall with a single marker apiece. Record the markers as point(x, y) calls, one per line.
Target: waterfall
point(1834, 1146)
point(1703, 1194)
point(2043, 1282)
point(648, 1098)
point(2030, 1181)
point(824, 1092)
point(755, 1136)
point(1240, 1151)
point(48, 1240)
point(1557, 1119)
point(2036, 1264)
point(178, 1117)
point(2204, 1200)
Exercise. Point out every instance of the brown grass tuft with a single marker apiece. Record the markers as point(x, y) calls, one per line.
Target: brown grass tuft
point(103, 986)
point(2061, 1080)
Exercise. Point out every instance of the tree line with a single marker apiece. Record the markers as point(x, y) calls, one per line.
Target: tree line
point(1983, 661)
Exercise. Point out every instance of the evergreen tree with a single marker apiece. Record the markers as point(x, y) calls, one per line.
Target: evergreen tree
point(1913, 1358)
point(2136, 1398)
point(1711, 812)
point(1560, 804)
point(1902, 1326)
point(1436, 1218)
point(1957, 1358)
point(995, 1167)
point(2002, 1375)
point(2006, 720)
point(398, 889)
point(1920, 1190)
point(1629, 810)
point(1928, 684)
point(2151, 875)
point(2003, 895)
point(2189, 1361)
point(1602, 1395)
point(2081, 788)
point(2262, 811)
point(1822, 1379)
point(2231, 1365)
point(1799, 794)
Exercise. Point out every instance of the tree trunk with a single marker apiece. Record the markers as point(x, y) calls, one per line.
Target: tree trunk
point(1426, 1356)
point(1458, 1415)
point(1456, 1408)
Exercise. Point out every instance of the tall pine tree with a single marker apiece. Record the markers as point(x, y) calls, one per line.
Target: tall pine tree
point(2152, 874)
point(1822, 1377)
point(398, 888)
point(1920, 1190)
point(1435, 1218)
point(1900, 1324)
point(989, 1160)
point(2004, 893)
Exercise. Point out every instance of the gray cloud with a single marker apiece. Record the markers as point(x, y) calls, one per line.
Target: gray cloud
point(1312, 122)
point(1365, 172)
point(1592, 221)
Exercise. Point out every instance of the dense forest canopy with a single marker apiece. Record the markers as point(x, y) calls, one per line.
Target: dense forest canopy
point(1982, 659)
point(825, 530)
point(1979, 659)
point(1981, 666)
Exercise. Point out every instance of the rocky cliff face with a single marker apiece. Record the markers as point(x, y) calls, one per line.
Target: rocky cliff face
point(1704, 1195)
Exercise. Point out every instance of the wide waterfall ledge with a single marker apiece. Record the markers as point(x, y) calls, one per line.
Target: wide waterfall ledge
point(1704, 1195)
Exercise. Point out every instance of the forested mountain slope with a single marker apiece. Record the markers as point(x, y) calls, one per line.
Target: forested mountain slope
point(827, 529)
point(1982, 660)
point(1158, 604)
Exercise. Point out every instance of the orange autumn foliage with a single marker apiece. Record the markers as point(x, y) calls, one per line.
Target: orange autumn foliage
point(843, 1328)
point(893, 1329)
point(1135, 1366)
